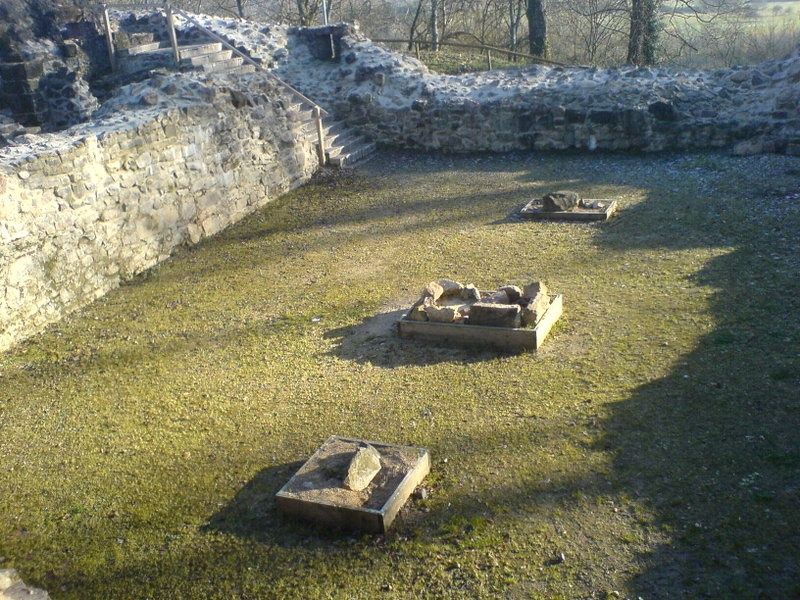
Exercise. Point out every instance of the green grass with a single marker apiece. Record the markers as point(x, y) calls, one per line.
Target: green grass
point(454, 61)
point(653, 440)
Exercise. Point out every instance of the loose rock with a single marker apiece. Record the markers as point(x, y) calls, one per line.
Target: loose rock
point(534, 310)
point(498, 297)
point(442, 314)
point(12, 587)
point(433, 291)
point(560, 201)
point(365, 464)
point(470, 292)
point(513, 292)
point(534, 289)
point(450, 288)
point(417, 313)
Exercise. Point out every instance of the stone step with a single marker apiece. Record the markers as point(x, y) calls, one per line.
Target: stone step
point(165, 50)
point(343, 143)
point(353, 155)
point(141, 49)
point(334, 136)
point(331, 129)
point(302, 108)
point(240, 70)
point(133, 39)
point(204, 59)
point(223, 65)
point(199, 49)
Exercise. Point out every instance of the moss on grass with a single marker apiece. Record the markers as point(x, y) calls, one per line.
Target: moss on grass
point(652, 441)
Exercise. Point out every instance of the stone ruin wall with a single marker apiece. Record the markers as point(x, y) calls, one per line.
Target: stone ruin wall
point(396, 101)
point(470, 127)
point(632, 110)
point(113, 199)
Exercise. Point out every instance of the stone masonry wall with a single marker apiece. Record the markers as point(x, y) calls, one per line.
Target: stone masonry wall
point(81, 212)
point(396, 101)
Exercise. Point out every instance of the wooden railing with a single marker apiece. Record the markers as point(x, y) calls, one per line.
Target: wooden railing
point(417, 44)
point(170, 11)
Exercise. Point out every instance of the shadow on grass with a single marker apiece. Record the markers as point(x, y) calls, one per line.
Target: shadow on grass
point(252, 514)
point(711, 449)
point(375, 341)
point(714, 447)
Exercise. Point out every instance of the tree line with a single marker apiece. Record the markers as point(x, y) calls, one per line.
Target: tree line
point(601, 32)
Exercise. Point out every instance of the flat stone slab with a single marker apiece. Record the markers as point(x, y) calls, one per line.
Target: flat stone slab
point(316, 493)
point(507, 339)
point(599, 210)
point(13, 588)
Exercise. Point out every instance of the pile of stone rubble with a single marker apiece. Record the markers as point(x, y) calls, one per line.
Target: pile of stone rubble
point(448, 301)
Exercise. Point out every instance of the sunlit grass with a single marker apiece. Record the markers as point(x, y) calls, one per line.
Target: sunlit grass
point(653, 441)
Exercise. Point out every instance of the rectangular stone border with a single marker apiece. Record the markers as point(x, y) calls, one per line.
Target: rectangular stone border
point(598, 214)
point(508, 339)
point(346, 517)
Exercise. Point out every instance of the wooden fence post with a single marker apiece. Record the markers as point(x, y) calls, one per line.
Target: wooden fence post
point(489, 59)
point(112, 57)
point(172, 37)
point(416, 48)
point(320, 137)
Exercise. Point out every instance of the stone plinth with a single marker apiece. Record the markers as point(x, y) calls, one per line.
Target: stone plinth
point(316, 493)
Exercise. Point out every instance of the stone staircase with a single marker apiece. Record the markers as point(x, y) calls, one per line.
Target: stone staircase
point(342, 146)
point(149, 55)
point(143, 54)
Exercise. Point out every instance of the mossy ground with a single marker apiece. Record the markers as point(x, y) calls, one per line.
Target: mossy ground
point(654, 440)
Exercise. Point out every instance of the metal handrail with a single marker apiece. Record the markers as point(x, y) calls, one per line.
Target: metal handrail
point(316, 108)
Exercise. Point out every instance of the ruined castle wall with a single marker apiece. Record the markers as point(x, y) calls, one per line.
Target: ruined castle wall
point(397, 102)
point(471, 127)
point(80, 213)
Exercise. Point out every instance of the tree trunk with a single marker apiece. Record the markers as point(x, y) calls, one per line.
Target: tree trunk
point(513, 25)
point(412, 34)
point(240, 8)
point(537, 27)
point(434, 26)
point(307, 12)
point(643, 35)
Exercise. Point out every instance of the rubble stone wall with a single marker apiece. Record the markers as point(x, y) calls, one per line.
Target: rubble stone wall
point(471, 127)
point(614, 109)
point(396, 101)
point(80, 213)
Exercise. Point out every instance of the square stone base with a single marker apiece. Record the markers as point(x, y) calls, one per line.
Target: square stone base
point(603, 211)
point(506, 339)
point(315, 493)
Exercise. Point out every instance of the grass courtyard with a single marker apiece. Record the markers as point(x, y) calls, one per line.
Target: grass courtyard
point(654, 441)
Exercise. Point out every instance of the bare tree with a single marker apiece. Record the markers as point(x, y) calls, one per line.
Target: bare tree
point(307, 11)
point(434, 25)
point(515, 12)
point(537, 27)
point(643, 35)
point(596, 28)
point(414, 22)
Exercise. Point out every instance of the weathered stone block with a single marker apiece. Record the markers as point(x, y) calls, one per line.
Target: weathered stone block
point(495, 315)
point(560, 201)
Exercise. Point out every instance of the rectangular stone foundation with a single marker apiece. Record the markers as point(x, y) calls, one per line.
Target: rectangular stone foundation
point(507, 339)
point(533, 211)
point(331, 505)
